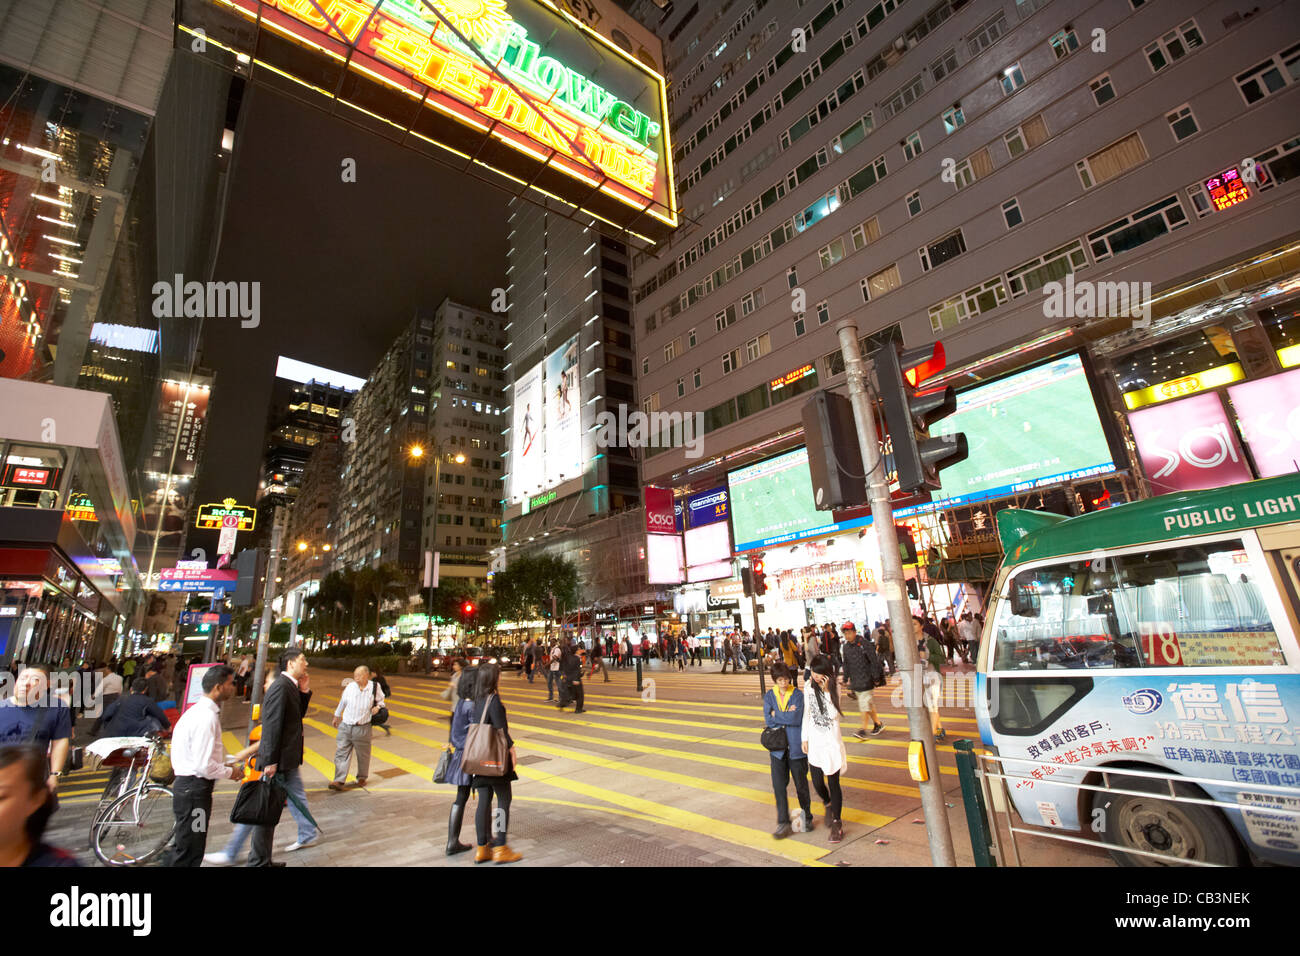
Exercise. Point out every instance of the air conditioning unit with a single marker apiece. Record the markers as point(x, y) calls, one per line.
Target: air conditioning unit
point(901, 44)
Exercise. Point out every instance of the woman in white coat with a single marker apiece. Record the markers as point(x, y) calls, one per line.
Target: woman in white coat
point(822, 741)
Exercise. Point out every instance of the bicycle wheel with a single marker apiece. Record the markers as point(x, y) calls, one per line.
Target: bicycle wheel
point(135, 829)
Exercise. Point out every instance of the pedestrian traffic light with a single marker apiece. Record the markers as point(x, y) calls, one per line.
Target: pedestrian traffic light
point(913, 589)
point(834, 455)
point(759, 579)
point(909, 413)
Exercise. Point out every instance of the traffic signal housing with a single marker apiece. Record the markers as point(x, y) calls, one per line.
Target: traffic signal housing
point(834, 455)
point(909, 413)
point(747, 581)
point(759, 578)
point(467, 609)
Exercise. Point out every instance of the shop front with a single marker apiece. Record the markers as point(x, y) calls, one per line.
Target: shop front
point(49, 611)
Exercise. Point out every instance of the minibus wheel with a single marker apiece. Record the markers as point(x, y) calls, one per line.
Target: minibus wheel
point(1181, 831)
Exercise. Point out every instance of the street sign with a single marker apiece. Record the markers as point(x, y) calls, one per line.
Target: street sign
point(204, 617)
point(211, 517)
point(229, 529)
point(198, 574)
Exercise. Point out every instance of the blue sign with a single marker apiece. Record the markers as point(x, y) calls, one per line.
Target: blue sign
point(708, 507)
point(204, 617)
point(166, 585)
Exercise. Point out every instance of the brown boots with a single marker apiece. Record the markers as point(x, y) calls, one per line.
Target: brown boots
point(497, 854)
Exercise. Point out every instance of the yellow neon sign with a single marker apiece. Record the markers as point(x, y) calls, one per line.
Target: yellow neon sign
point(1187, 385)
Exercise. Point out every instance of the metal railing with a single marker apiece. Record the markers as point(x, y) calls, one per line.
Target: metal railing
point(992, 817)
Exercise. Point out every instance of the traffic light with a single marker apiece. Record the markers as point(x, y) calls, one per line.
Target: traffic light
point(909, 413)
point(759, 579)
point(747, 581)
point(467, 608)
point(834, 455)
point(913, 589)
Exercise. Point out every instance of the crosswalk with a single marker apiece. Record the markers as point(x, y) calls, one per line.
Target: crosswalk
point(683, 757)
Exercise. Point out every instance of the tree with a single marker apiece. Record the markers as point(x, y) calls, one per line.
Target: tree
point(523, 591)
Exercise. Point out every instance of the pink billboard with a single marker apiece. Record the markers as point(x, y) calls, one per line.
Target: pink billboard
point(1188, 445)
point(1268, 410)
point(659, 516)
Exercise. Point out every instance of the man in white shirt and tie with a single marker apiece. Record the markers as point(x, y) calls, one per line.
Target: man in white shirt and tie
point(360, 701)
point(199, 760)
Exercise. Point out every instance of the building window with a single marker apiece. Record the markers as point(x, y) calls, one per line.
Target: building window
point(912, 146)
point(1106, 164)
point(1032, 132)
point(986, 35)
point(1174, 45)
point(941, 250)
point(953, 119)
point(792, 277)
point(943, 66)
point(645, 366)
point(978, 165)
point(1137, 229)
point(1049, 267)
point(697, 377)
point(1102, 91)
point(758, 347)
point(1270, 76)
point(865, 232)
point(799, 328)
point(751, 301)
point(1011, 213)
point(724, 318)
point(1012, 79)
point(886, 280)
point(831, 254)
point(1063, 43)
point(983, 298)
point(681, 387)
point(913, 204)
point(905, 96)
point(1182, 122)
point(730, 361)
point(823, 313)
point(690, 338)
point(1200, 202)
point(670, 351)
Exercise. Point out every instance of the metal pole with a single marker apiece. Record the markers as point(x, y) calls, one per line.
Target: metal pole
point(428, 623)
point(268, 595)
point(882, 515)
point(758, 646)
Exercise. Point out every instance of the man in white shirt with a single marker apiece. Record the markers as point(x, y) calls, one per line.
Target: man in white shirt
point(109, 690)
point(199, 759)
point(360, 701)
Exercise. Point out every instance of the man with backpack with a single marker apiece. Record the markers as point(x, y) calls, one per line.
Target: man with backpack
point(863, 671)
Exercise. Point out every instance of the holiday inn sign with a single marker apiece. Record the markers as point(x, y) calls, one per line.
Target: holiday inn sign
point(518, 87)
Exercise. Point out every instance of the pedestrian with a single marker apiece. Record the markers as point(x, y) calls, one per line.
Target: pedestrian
point(35, 718)
point(553, 670)
point(26, 805)
point(598, 661)
point(863, 671)
point(884, 638)
point(128, 671)
point(570, 677)
point(727, 655)
point(530, 662)
point(135, 714)
point(811, 650)
point(783, 706)
point(453, 690)
point(935, 659)
point(491, 828)
point(361, 700)
point(456, 775)
point(377, 676)
point(242, 676)
point(239, 836)
point(968, 636)
point(822, 742)
point(106, 694)
point(199, 761)
point(281, 749)
point(157, 686)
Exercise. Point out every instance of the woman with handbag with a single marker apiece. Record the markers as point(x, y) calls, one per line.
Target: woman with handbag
point(454, 772)
point(490, 756)
point(822, 742)
point(783, 716)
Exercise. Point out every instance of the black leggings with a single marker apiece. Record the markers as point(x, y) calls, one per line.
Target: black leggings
point(462, 796)
point(834, 800)
point(483, 818)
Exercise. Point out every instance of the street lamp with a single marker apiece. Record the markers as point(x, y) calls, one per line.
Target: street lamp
point(311, 571)
point(417, 453)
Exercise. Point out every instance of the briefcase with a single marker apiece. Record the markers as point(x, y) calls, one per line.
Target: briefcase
point(259, 803)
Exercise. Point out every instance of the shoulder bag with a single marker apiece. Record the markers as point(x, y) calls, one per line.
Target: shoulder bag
point(485, 752)
point(381, 718)
point(775, 739)
point(444, 764)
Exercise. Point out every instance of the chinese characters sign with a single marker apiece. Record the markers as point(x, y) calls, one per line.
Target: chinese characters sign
point(1226, 189)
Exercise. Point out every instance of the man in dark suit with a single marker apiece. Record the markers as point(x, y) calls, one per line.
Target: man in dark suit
point(280, 752)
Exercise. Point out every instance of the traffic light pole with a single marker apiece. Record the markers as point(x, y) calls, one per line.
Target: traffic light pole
point(268, 595)
point(882, 513)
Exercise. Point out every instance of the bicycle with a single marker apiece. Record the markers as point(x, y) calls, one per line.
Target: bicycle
point(134, 822)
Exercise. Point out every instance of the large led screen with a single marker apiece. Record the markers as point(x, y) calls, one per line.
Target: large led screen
point(663, 555)
point(772, 503)
point(563, 414)
point(517, 86)
point(1032, 428)
point(526, 471)
point(708, 544)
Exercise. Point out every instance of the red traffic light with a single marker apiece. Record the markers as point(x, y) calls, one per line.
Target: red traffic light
point(467, 608)
point(758, 566)
point(931, 367)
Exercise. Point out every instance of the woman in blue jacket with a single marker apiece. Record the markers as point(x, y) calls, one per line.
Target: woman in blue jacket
point(456, 777)
point(783, 707)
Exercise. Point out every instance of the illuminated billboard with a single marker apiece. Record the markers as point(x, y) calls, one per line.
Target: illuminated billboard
point(664, 564)
point(526, 471)
point(563, 414)
point(772, 503)
point(517, 86)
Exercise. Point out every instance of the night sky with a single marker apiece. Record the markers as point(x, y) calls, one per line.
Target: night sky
point(342, 266)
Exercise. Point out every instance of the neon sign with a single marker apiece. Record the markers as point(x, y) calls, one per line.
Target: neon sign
point(1226, 189)
point(789, 378)
point(559, 99)
point(213, 517)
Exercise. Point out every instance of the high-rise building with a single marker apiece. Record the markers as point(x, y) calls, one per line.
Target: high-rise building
point(307, 407)
point(992, 176)
point(434, 395)
point(309, 543)
point(465, 407)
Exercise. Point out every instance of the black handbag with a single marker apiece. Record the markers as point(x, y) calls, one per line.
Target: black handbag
point(444, 764)
point(380, 718)
point(259, 803)
point(774, 739)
